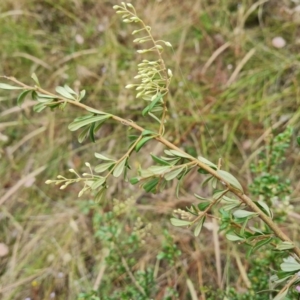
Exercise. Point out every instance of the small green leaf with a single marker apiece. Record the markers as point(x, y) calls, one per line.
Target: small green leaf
point(119, 168)
point(180, 154)
point(240, 213)
point(153, 102)
point(5, 86)
point(98, 125)
point(200, 198)
point(134, 180)
point(61, 105)
point(159, 160)
point(45, 100)
point(232, 236)
point(173, 174)
point(180, 180)
point(142, 142)
point(230, 179)
point(158, 170)
point(298, 140)
point(148, 132)
point(81, 95)
point(39, 107)
point(100, 195)
point(202, 171)
point(169, 153)
point(203, 205)
point(95, 111)
point(101, 156)
point(231, 206)
point(260, 244)
point(75, 125)
point(34, 95)
point(290, 265)
point(285, 246)
point(133, 137)
point(35, 79)
point(145, 110)
point(207, 180)
point(22, 97)
point(193, 210)
point(178, 222)
point(214, 183)
point(150, 186)
point(63, 92)
point(69, 90)
point(103, 167)
point(40, 95)
point(256, 230)
point(155, 118)
point(199, 226)
point(265, 208)
point(218, 194)
point(96, 184)
point(83, 134)
point(207, 162)
point(91, 132)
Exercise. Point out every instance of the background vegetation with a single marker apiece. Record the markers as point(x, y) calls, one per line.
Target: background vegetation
point(233, 90)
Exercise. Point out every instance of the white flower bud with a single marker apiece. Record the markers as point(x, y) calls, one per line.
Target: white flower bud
point(168, 44)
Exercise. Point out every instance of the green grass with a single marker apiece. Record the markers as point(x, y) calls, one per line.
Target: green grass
point(53, 236)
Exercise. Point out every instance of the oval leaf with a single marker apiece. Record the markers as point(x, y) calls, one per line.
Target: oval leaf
point(218, 194)
point(285, 246)
point(39, 107)
point(180, 154)
point(119, 168)
point(142, 142)
point(78, 124)
point(157, 170)
point(159, 160)
point(265, 208)
point(101, 156)
point(103, 167)
point(5, 86)
point(231, 236)
point(173, 174)
point(240, 213)
point(63, 92)
point(150, 186)
point(98, 183)
point(178, 222)
point(22, 97)
point(207, 162)
point(83, 134)
point(198, 227)
point(35, 79)
point(230, 179)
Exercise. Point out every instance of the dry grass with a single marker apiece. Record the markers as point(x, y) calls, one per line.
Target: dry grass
point(231, 88)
